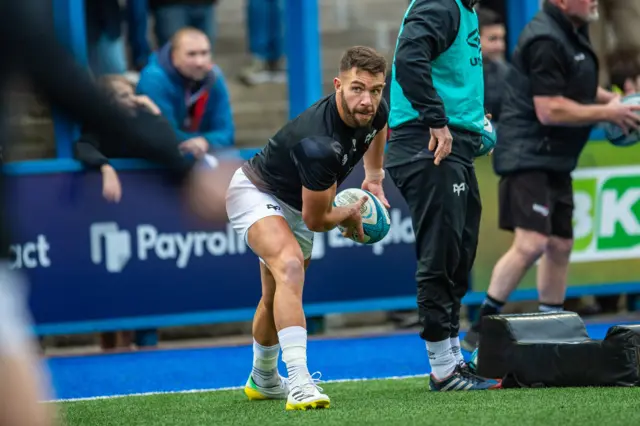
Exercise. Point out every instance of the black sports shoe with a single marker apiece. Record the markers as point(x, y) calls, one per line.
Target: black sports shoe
point(462, 379)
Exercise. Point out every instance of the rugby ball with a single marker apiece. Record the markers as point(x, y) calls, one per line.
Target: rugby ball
point(375, 216)
point(614, 133)
point(489, 138)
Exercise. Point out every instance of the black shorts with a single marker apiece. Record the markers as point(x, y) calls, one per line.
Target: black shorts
point(537, 201)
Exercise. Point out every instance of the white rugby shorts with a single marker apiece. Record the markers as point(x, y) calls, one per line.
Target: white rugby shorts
point(246, 205)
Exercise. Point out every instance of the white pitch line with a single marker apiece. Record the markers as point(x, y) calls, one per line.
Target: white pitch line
point(94, 398)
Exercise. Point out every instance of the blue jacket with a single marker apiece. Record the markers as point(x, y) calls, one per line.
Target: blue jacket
point(161, 82)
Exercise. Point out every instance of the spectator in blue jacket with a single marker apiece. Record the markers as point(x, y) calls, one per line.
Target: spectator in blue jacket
point(191, 92)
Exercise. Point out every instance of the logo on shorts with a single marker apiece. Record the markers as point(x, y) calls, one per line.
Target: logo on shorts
point(459, 187)
point(344, 159)
point(273, 207)
point(539, 208)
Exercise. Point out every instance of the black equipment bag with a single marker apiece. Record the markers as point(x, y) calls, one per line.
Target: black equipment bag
point(555, 350)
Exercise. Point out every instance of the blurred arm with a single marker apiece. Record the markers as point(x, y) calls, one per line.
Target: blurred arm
point(30, 44)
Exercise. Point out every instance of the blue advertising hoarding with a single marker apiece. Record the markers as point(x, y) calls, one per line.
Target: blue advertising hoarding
point(145, 258)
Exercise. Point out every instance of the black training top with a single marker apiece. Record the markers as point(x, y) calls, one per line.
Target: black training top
point(314, 150)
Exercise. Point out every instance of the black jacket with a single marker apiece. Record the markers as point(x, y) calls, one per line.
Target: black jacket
point(94, 150)
point(523, 142)
point(430, 28)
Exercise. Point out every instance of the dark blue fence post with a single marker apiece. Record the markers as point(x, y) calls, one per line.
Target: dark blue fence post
point(69, 21)
point(303, 54)
point(519, 13)
point(302, 43)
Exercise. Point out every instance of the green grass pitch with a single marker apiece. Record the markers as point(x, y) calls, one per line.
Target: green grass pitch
point(376, 402)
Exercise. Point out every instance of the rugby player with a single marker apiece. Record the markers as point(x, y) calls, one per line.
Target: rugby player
point(284, 194)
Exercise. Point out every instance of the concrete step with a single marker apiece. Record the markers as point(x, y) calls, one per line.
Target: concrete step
point(377, 35)
point(333, 14)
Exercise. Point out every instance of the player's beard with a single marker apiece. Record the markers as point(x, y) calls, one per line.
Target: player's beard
point(351, 113)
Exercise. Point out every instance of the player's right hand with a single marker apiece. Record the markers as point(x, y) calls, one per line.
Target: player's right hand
point(624, 116)
point(353, 223)
point(440, 141)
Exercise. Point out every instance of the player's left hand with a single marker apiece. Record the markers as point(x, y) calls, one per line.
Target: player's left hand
point(376, 189)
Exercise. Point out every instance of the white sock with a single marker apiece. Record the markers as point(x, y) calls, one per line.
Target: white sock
point(293, 341)
point(441, 358)
point(455, 350)
point(265, 365)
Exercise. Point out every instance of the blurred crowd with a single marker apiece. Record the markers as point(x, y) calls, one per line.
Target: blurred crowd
point(122, 35)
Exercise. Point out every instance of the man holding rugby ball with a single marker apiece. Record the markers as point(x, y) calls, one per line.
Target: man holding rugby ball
point(284, 194)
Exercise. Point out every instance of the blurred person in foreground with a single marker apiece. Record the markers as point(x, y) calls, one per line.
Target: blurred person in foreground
point(28, 46)
point(551, 103)
point(95, 153)
point(191, 92)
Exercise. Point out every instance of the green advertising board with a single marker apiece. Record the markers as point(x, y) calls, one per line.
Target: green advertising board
point(606, 219)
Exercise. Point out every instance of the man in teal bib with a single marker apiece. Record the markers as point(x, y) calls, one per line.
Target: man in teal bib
point(436, 122)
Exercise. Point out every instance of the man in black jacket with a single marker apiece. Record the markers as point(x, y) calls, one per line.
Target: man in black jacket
point(551, 102)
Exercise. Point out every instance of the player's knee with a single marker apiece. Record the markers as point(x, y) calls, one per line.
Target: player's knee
point(290, 269)
point(559, 248)
point(530, 245)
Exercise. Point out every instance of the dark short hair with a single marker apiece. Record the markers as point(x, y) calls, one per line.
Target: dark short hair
point(363, 58)
point(623, 64)
point(487, 17)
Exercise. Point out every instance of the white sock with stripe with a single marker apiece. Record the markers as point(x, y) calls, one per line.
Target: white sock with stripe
point(265, 365)
point(455, 350)
point(441, 358)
